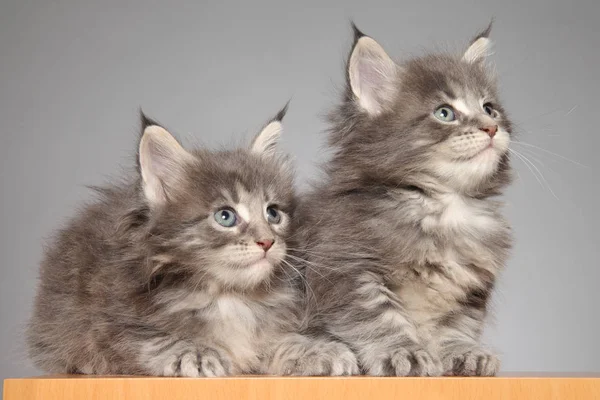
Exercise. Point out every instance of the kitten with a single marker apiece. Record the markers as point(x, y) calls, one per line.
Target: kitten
point(404, 238)
point(182, 272)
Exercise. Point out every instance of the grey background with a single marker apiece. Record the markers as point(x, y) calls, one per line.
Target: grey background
point(73, 74)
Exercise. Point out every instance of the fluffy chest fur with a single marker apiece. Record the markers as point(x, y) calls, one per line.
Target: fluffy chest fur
point(459, 246)
point(452, 213)
point(236, 327)
point(242, 325)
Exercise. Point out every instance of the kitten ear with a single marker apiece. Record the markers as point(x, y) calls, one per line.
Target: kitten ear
point(162, 162)
point(480, 46)
point(371, 74)
point(265, 143)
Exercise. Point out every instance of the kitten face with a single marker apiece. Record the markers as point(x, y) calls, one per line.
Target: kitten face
point(221, 215)
point(254, 229)
point(241, 226)
point(437, 115)
point(459, 125)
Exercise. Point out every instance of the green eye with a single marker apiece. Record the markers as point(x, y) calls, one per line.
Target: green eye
point(226, 217)
point(445, 113)
point(273, 215)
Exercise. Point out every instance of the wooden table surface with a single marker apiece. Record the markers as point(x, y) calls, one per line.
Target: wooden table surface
point(514, 386)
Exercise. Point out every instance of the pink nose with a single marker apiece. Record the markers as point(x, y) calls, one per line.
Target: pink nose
point(265, 244)
point(490, 130)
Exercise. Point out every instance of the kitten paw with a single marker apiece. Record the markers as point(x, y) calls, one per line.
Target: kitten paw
point(419, 362)
point(322, 359)
point(212, 363)
point(193, 364)
point(475, 362)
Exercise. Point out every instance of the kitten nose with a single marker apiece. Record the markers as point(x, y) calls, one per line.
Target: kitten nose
point(265, 244)
point(490, 130)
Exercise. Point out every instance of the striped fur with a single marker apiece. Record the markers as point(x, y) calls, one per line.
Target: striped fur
point(403, 238)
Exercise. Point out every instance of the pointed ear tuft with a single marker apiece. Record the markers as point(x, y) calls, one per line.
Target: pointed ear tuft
point(357, 32)
point(486, 32)
point(281, 113)
point(145, 121)
point(480, 46)
point(162, 163)
point(265, 143)
point(371, 75)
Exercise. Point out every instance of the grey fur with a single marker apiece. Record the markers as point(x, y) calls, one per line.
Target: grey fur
point(404, 238)
point(135, 287)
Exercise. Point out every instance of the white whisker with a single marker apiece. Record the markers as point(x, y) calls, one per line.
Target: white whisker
point(571, 110)
point(549, 152)
point(314, 265)
point(528, 162)
point(301, 277)
point(527, 165)
point(539, 117)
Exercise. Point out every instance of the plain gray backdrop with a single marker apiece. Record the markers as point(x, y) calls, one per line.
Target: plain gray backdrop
point(73, 74)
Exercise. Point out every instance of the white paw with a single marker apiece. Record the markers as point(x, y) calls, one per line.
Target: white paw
point(474, 362)
point(322, 359)
point(406, 362)
point(193, 364)
point(415, 363)
point(213, 364)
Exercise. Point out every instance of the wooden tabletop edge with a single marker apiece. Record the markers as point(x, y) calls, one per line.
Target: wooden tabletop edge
point(511, 376)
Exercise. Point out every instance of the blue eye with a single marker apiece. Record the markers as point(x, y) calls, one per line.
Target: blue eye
point(273, 215)
point(445, 113)
point(226, 217)
point(489, 110)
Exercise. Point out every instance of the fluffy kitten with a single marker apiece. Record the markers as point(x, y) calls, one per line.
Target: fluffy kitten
point(404, 237)
point(182, 272)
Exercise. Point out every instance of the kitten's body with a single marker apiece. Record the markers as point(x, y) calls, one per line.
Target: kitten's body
point(396, 279)
point(144, 281)
point(404, 240)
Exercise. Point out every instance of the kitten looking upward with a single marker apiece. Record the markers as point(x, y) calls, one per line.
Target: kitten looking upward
point(182, 271)
point(404, 237)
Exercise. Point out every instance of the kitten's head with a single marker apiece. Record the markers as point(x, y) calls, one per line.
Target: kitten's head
point(437, 116)
point(223, 215)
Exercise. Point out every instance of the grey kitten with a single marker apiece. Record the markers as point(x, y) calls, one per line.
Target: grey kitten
point(404, 237)
point(182, 271)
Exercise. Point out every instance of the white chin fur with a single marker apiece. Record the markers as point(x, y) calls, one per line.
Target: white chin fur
point(245, 277)
point(247, 268)
point(466, 167)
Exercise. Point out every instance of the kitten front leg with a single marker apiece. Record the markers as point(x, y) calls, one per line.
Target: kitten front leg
point(301, 355)
point(374, 323)
point(386, 351)
point(460, 349)
point(167, 356)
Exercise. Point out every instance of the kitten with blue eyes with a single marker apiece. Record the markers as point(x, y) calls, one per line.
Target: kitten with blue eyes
point(404, 271)
point(182, 271)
